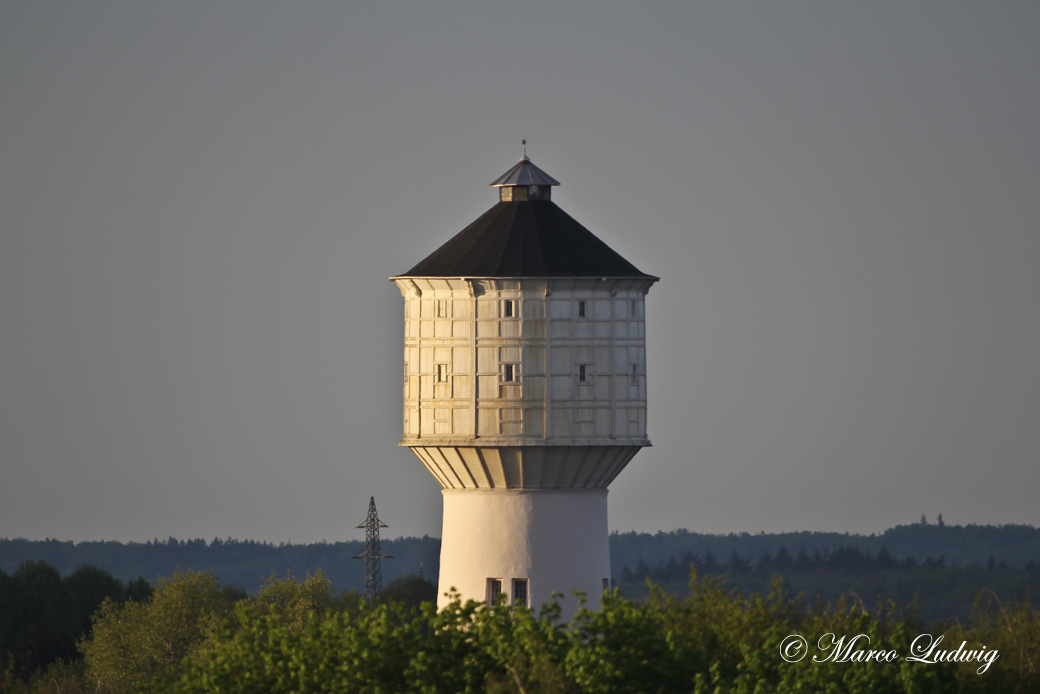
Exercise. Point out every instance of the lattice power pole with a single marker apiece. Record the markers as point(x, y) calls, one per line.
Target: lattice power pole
point(372, 553)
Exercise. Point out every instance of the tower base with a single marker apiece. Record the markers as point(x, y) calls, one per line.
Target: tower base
point(528, 543)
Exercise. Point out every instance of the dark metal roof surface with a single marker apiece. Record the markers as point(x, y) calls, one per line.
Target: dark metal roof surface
point(525, 173)
point(525, 239)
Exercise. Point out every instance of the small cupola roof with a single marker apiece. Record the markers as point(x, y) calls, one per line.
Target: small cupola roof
point(524, 173)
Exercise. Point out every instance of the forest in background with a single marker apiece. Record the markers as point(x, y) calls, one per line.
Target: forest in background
point(248, 563)
point(939, 568)
point(244, 563)
point(942, 566)
point(959, 545)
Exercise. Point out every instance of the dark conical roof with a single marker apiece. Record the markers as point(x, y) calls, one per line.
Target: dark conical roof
point(525, 239)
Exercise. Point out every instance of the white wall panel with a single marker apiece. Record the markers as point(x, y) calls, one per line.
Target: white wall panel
point(534, 388)
point(487, 387)
point(561, 421)
point(561, 360)
point(487, 309)
point(560, 308)
point(460, 309)
point(562, 389)
point(487, 360)
point(534, 360)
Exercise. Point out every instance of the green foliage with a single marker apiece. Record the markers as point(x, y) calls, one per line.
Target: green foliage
point(293, 600)
point(623, 650)
point(714, 641)
point(526, 654)
point(1011, 627)
point(410, 590)
point(62, 677)
point(133, 643)
point(362, 651)
point(193, 636)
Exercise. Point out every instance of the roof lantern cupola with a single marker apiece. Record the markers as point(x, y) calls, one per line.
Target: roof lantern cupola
point(524, 181)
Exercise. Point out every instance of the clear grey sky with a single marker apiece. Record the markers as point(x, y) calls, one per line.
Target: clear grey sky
point(200, 204)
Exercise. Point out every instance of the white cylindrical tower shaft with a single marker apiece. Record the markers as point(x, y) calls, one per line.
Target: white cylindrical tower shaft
point(528, 544)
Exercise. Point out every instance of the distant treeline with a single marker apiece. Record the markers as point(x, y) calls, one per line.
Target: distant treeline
point(958, 545)
point(249, 563)
point(848, 558)
point(245, 563)
point(937, 590)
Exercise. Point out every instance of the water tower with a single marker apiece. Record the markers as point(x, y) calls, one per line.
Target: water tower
point(524, 393)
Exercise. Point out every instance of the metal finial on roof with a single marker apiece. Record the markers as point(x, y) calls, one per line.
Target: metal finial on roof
point(525, 173)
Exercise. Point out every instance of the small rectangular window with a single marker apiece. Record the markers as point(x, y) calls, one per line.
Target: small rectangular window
point(634, 308)
point(635, 371)
point(581, 309)
point(494, 589)
point(507, 309)
point(582, 368)
point(520, 591)
point(606, 584)
point(441, 373)
point(442, 308)
point(510, 372)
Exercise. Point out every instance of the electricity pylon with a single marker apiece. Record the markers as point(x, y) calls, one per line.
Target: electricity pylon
point(372, 553)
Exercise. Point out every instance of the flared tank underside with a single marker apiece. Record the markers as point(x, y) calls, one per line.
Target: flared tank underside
point(525, 467)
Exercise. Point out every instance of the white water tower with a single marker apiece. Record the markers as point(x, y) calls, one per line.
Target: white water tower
point(524, 394)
